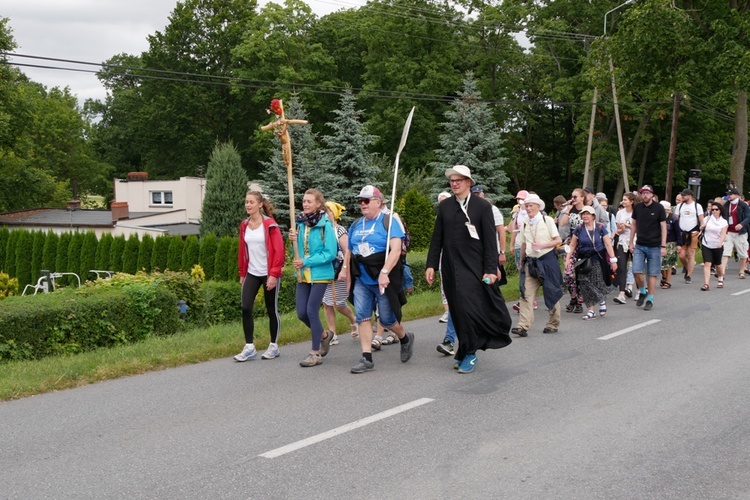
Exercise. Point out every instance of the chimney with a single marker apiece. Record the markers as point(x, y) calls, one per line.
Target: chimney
point(75, 203)
point(119, 210)
point(137, 176)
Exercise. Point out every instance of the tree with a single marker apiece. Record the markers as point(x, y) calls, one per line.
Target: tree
point(115, 253)
point(49, 253)
point(207, 256)
point(232, 271)
point(24, 248)
point(144, 253)
point(37, 255)
point(221, 262)
point(226, 185)
point(174, 253)
point(160, 254)
point(74, 255)
point(10, 253)
point(130, 255)
point(88, 255)
point(190, 253)
point(471, 138)
point(304, 172)
point(103, 252)
point(4, 235)
point(345, 160)
point(61, 259)
point(417, 212)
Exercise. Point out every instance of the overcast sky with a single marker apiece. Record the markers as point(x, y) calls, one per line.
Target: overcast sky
point(94, 31)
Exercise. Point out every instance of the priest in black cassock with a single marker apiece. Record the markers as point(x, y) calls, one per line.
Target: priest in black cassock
point(463, 243)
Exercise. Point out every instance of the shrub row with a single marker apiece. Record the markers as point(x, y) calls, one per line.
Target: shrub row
point(23, 254)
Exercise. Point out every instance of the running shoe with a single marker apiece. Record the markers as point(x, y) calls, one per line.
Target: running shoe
point(407, 349)
point(468, 364)
point(363, 366)
point(311, 360)
point(271, 352)
point(446, 348)
point(249, 352)
point(443, 318)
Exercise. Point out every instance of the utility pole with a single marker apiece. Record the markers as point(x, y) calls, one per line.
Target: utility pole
point(672, 146)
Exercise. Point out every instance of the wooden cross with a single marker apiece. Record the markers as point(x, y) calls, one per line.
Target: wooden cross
point(279, 128)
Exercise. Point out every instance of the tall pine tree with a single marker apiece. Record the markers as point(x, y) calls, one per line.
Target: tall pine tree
point(226, 185)
point(37, 255)
point(174, 253)
point(144, 253)
point(88, 255)
point(49, 253)
point(471, 138)
point(103, 252)
point(345, 156)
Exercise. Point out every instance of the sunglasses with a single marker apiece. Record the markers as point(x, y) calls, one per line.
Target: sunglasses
point(366, 201)
point(574, 197)
point(716, 210)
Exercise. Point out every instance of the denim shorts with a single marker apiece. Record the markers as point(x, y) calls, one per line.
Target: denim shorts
point(648, 257)
point(366, 297)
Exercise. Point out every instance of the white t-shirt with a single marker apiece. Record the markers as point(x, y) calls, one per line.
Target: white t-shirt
point(624, 217)
point(498, 222)
point(712, 232)
point(521, 217)
point(688, 214)
point(255, 241)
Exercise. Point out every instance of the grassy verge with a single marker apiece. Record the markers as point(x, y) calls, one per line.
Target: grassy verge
point(25, 378)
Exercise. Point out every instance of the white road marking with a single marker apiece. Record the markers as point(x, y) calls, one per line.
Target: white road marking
point(628, 330)
point(344, 428)
point(740, 293)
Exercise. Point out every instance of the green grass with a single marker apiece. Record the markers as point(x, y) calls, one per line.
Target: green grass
point(25, 378)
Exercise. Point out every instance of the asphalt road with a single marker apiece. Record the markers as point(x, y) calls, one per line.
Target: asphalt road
point(661, 411)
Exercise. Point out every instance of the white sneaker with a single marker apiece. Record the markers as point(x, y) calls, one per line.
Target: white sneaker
point(444, 317)
point(271, 352)
point(335, 340)
point(248, 352)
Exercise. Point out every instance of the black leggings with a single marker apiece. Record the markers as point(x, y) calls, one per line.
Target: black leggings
point(250, 288)
point(622, 268)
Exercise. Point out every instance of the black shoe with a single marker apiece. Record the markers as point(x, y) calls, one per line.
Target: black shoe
point(674, 270)
point(649, 305)
point(629, 292)
point(519, 331)
point(578, 309)
point(688, 279)
point(549, 330)
point(641, 300)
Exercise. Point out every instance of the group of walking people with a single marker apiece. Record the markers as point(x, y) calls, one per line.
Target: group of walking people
point(331, 264)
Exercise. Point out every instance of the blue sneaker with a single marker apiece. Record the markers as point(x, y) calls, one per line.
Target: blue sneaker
point(468, 364)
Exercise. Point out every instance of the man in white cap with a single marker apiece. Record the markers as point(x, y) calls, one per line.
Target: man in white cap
point(464, 247)
point(539, 267)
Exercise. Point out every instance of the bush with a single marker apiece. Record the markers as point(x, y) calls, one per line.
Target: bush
point(24, 248)
point(207, 257)
point(160, 253)
point(61, 259)
point(4, 235)
point(8, 286)
point(103, 250)
point(144, 253)
point(88, 255)
point(73, 321)
point(74, 257)
point(418, 214)
point(10, 254)
point(223, 301)
point(37, 255)
point(130, 255)
point(190, 252)
point(221, 262)
point(49, 254)
point(115, 253)
point(174, 253)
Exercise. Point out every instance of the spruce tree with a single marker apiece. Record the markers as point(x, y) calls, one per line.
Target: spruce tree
point(226, 186)
point(174, 253)
point(306, 173)
point(144, 253)
point(130, 255)
point(88, 255)
point(345, 161)
point(24, 247)
point(160, 254)
point(221, 262)
point(207, 256)
point(115, 253)
point(37, 255)
point(190, 253)
point(10, 254)
point(74, 257)
point(49, 254)
point(103, 252)
point(471, 138)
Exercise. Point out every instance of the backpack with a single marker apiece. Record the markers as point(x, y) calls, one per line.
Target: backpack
point(406, 240)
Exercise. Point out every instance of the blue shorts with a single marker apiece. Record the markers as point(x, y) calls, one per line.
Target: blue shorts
point(648, 257)
point(366, 297)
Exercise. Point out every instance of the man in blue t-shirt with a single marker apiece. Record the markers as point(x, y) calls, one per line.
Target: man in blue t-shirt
point(649, 223)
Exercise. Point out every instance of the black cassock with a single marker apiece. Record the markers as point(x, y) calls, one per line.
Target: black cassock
point(478, 310)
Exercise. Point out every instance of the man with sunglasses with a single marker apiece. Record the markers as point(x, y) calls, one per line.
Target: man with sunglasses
point(464, 247)
point(375, 280)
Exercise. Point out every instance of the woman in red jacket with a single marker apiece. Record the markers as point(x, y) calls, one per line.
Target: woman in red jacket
point(259, 259)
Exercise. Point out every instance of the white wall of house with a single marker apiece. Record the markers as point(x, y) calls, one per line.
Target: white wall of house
point(155, 196)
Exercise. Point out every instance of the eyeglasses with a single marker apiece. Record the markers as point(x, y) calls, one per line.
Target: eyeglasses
point(456, 181)
point(574, 197)
point(366, 201)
